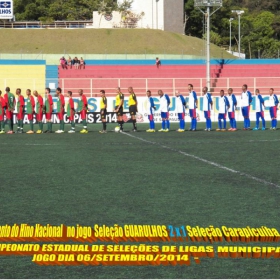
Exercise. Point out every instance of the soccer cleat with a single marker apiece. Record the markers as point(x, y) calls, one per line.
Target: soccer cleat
point(273, 128)
point(46, 131)
point(230, 129)
point(30, 132)
point(134, 130)
point(263, 128)
point(209, 129)
point(223, 130)
point(166, 130)
point(245, 128)
point(102, 131)
point(218, 129)
point(256, 128)
point(148, 130)
point(71, 131)
point(180, 130)
point(10, 132)
point(39, 131)
point(161, 130)
point(84, 131)
point(2, 132)
point(59, 131)
point(234, 129)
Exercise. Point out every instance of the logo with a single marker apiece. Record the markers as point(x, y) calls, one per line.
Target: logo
point(5, 5)
point(6, 9)
point(108, 17)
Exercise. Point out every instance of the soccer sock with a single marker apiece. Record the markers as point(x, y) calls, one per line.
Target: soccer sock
point(225, 123)
point(31, 125)
point(62, 125)
point(245, 122)
point(40, 126)
point(152, 124)
point(134, 124)
point(182, 124)
point(21, 124)
point(85, 124)
point(192, 124)
point(168, 124)
point(257, 123)
point(249, 123)
point(104, 125)
point(209, 123)
point(275, 123)
point(220, 124)
point(234, 123)
point(195, 123)
point(73, 125)
point(263, 122)
point(163, 125)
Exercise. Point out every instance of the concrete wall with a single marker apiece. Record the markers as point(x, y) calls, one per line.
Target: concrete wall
point(174, 16)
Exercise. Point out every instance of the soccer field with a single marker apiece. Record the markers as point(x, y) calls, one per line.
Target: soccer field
point(191, 178)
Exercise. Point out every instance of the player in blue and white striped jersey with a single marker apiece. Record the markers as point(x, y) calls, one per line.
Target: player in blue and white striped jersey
point(150, 111)
point(180, 109)
point(231, 111)
point(246, 100)
point(273, 104)
point(164, 111)
point(259, 110)
point(223, 107)
point(192, 107)
point(207, 106)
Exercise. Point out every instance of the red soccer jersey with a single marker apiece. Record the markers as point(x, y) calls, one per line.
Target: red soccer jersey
point(40, 100)
point(3, 101)
point(60, 103)
point(84, 99)
point(32, 101)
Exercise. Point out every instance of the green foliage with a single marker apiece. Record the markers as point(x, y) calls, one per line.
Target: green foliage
point(260, 26)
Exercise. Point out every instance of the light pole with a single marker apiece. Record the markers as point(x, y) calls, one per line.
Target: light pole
point(217, 4)
point(239, 13)
point(230, 20)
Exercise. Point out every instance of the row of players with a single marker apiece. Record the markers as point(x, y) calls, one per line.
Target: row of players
point(9, 105)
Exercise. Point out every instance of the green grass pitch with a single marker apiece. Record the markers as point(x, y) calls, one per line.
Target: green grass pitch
point(142, 179)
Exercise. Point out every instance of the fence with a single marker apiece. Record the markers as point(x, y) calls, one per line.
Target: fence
point(92, 86)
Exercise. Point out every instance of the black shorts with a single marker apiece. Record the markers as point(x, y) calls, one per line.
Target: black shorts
point(120, 112)
point(133, 110)
point(103, 114)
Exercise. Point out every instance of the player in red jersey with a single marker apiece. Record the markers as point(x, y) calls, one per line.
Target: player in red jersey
point(30, 104)
point(2, 108)
point(48, 109)
point(71, 112)
point(39, 105)
point(20, 110)
point(82, 109)
point(60, 110)
point(9, 107)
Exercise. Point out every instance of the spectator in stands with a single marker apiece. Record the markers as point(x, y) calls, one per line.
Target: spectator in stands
point(76, 63)
point(82, 63)
point(158, 62)
point(69, 62)
point(63, 63)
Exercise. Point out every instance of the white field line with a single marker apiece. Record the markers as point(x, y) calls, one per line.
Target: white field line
point(205, 161)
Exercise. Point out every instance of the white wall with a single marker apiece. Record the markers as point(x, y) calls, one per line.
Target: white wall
point(105, 23)
point(154, 13)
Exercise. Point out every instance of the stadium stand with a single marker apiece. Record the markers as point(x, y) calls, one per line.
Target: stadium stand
point(23, 74)
point(107, 75)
